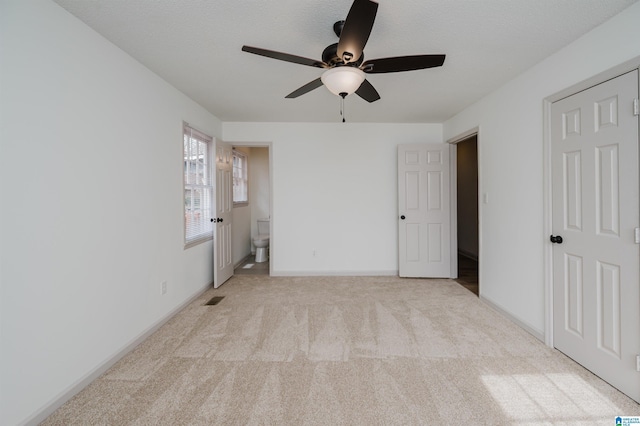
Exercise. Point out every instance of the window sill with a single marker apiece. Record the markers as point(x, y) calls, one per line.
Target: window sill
point(198, 242)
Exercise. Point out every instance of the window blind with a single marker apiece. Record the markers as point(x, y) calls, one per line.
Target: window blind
point(198, 185)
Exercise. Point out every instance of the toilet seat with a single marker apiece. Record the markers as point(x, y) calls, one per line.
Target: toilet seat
point(261, 239)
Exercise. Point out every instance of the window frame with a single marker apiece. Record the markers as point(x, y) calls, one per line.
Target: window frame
point(208, 186)
point(245, 177)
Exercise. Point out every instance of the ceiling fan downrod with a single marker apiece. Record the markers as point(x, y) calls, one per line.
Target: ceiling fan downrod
point(342, 111)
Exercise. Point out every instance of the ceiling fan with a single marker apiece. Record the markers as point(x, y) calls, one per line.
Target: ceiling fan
point(344, 61)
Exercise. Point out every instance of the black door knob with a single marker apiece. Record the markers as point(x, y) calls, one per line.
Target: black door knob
point(556, 239)
point(402, 217)
point(213, 220)
point(219, 219)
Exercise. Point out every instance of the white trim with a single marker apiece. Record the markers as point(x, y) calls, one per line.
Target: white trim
point(197, 129)
point(244, 259)
point(84, 381)
point(453, 209)
point(538, 334)
point(197, 241)
point(393, 273)
point(625, 67)
point(547, 224)
point(464, 135)
point(609, 74)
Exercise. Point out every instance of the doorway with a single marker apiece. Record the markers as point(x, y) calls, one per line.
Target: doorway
point(258, 207)
point(467, 213)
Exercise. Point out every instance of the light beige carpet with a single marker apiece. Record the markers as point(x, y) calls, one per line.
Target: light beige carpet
point(343, 351)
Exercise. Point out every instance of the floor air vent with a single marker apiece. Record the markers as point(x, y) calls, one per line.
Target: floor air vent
point(215, 300)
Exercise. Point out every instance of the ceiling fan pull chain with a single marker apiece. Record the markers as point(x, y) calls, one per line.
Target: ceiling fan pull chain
point(342, 111)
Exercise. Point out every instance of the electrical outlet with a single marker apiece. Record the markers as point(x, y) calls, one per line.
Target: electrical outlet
point(163, 288)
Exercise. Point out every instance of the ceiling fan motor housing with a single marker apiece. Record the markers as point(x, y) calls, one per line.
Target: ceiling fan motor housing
point(330, 57)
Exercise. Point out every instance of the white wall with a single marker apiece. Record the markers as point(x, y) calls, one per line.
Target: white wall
point(510, 147)
point(335, 192)
point(241, 233)
point(241, 228)
point(91, 217)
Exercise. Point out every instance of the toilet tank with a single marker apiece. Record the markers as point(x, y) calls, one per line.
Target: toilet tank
point(263, 226)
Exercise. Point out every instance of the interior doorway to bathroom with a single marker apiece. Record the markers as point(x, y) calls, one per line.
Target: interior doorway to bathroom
point(258, 206)
point(467, 212)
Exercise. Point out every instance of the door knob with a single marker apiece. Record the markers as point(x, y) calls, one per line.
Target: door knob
point(213, 220)
point(219, 219)
point(556, 239)
point(402, 217)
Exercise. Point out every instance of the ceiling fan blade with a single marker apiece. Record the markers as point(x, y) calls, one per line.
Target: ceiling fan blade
point(305, 89)
point(367, 92)
point(356, 30)
point(284, 57)
point(402, 63)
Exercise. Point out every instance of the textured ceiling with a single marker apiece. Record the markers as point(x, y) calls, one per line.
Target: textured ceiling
point(195, 45)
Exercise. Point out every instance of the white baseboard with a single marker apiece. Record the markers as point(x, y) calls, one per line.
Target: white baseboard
point(535, 333)
point(334, 273)
point(241, 261)
point(82, 383)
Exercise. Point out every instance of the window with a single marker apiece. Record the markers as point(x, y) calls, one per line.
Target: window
point(240, 183)
point(198, 187)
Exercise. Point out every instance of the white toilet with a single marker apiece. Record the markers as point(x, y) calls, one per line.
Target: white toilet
point(261, 241)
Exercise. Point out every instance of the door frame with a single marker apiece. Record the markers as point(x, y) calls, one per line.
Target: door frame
point(633, 64)
point(454, 203)
point(269, 146)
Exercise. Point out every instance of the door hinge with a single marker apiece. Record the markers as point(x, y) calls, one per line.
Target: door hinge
point(636, 237)
point(637, 362)
point(636, 107)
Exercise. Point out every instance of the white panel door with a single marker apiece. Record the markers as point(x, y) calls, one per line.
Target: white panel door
point(424, 213)
point(595, 210)
point(222, 253)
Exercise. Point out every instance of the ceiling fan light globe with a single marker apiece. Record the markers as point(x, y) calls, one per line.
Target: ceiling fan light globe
point(342, 80)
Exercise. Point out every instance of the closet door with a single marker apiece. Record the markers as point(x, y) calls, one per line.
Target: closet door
point(424, 218)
